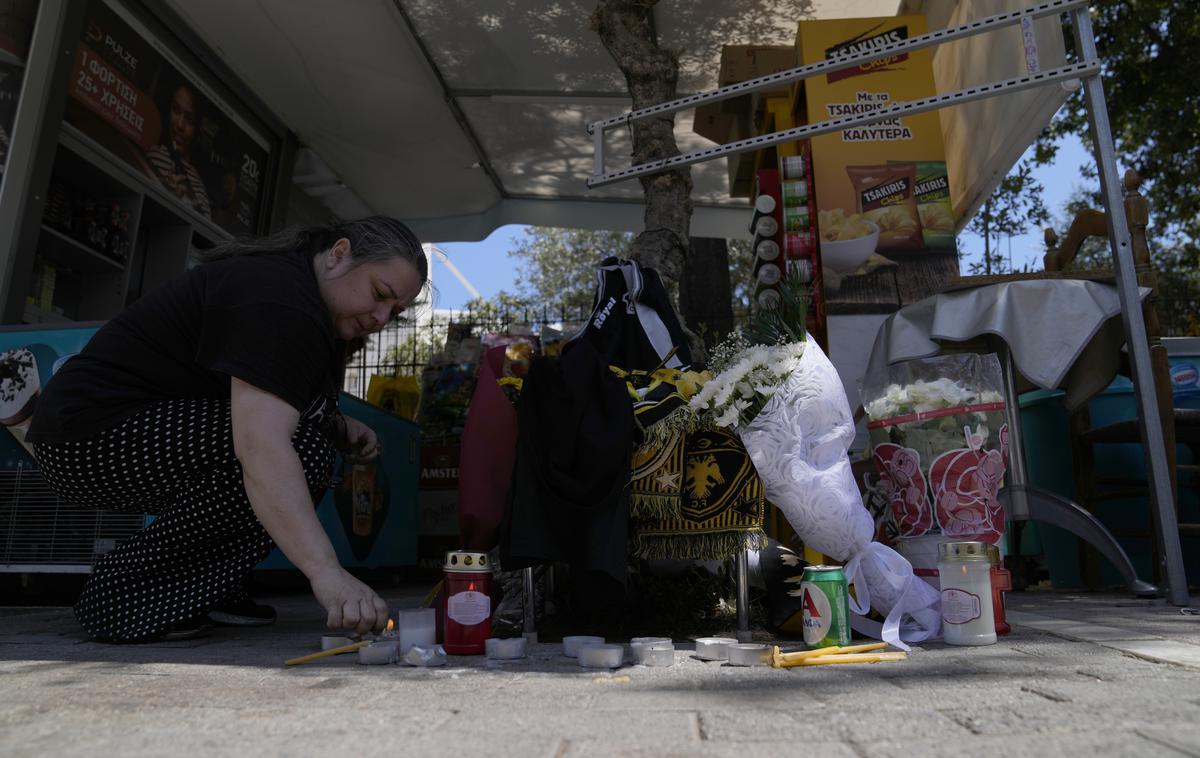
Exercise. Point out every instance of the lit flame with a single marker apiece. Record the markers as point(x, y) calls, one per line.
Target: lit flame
point(391, 625)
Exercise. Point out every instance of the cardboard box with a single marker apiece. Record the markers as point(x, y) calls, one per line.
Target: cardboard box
point(742, 62)
point(711, 124)
point(716, 121)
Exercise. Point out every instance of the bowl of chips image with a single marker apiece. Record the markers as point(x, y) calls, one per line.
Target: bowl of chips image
point(847, 241)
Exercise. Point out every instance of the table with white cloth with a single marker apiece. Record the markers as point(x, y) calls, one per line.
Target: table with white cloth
point(1050, 333)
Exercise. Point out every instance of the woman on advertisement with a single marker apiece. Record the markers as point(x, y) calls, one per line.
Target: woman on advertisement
point(212, 404)
point(172, 160)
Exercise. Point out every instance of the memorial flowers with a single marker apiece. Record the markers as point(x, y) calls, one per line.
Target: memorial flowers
point(782, 396)
point(939, 440)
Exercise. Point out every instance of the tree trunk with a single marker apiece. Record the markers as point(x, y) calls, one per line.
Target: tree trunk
point(626, 28)
point(705, 291)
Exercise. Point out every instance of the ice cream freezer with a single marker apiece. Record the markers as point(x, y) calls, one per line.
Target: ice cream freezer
point(369, 511)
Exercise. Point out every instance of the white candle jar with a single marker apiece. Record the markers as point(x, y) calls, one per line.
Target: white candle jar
point(964, 571)
point(416, 627)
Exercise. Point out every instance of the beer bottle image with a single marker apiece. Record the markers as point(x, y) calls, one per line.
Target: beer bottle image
point(362, 488)
point(362, 504)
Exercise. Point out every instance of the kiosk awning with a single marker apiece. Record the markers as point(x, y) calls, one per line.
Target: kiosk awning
point(460, 116)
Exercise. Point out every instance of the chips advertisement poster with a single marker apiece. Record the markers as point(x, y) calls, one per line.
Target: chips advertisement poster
point(134, 97)
point(884, 218)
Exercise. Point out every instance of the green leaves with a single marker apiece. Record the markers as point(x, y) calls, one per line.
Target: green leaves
point(784, 324)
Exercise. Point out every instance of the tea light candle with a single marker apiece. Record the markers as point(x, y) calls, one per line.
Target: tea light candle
point(417, 627)
point(330, 641)
point(377, 653)
point(571, 645)
point(748, 654)
point(638, 645)
point(656, 654)
point(434, 655)
point(714, 648)
point(600, 656)
point(505, 649)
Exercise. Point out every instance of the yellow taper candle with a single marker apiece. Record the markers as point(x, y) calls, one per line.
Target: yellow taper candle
point(327, 653)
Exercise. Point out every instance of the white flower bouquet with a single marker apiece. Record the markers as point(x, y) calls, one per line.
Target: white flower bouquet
point(787, 405)
point(745, 381)
point(939, 440)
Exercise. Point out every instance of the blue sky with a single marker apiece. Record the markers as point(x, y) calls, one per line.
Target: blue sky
point(487, 266)
point(1059, 181)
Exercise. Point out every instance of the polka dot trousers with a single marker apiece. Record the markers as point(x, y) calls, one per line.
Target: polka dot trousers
point(174, 460)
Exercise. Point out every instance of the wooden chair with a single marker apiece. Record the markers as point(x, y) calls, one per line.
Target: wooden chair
point(1179, 425)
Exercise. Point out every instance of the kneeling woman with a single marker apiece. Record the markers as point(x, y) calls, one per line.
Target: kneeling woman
point(212, 403)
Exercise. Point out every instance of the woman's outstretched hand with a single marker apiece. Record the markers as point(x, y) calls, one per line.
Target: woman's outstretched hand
point(349, 603)
point(361, 444)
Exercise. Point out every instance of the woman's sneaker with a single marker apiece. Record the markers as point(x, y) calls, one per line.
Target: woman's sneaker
point(188, 630)
point(243, 613)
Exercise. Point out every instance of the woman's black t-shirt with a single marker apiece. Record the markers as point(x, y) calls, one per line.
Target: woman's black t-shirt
point(260, 318)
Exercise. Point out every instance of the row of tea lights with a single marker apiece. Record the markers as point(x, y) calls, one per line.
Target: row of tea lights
point(414, 641)
point(589, 651)
point(594, 652)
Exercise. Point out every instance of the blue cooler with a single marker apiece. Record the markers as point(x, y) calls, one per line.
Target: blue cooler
point(1123, 517)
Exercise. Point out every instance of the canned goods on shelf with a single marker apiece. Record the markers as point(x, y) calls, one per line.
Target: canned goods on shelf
point(800, 270)
point(769, 298)
point(801, 245)
point(793, 167)
point(769, 273)
point(795, 193)
point(796, 220)
point(767, 250)
point(766, 226)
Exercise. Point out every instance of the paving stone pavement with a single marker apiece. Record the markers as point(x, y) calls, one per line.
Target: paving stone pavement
point(1086, 674)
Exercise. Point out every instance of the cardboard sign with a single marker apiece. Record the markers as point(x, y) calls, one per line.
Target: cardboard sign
point(887, 179)
point(133, 96)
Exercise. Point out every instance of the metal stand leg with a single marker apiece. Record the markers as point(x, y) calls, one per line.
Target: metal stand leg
point(530, 599)
point(548, 606)
point(741, 576)
point(1050, 508)
point(1136, 340)
point(1025, 503)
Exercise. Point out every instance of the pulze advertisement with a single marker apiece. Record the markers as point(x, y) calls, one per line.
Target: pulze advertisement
point(884, 220)
point(132, 95)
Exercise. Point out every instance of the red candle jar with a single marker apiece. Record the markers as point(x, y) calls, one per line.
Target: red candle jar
point(1001, 583)
point(467, 620)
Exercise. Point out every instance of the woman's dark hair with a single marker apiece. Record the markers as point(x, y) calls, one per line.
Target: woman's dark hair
point(375, 238)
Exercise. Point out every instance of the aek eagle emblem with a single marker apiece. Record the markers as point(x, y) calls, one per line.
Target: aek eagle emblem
point(702, 475)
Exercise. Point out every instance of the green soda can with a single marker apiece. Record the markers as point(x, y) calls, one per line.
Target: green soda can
point(826, 606)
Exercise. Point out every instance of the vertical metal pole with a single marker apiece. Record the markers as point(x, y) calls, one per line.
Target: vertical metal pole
point(742, 577)
point(530, 628)
point(598, 148)
point(31, 151)
point(548, 593)
point(1018, 476)
point(1149, 422)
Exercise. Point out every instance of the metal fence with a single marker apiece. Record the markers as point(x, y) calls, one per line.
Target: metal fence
point(405, 348)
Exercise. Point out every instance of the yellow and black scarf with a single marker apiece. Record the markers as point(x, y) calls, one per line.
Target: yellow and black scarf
point(696, 496)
